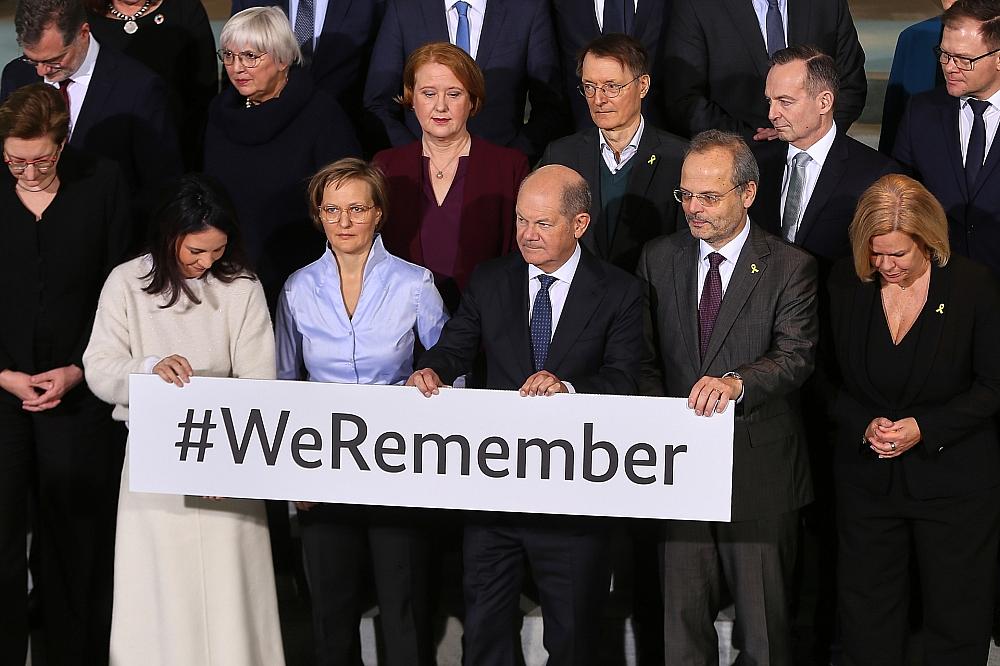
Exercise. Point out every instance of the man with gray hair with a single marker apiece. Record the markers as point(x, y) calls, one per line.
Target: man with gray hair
point(549, 319)
point(732, 319)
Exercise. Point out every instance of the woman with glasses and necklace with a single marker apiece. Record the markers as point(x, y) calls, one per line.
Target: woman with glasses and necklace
point(64, 221)
point(267, 134)
point(452, 194)
point(352, 317)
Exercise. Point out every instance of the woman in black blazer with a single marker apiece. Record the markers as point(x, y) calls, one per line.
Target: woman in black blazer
point(917, 459)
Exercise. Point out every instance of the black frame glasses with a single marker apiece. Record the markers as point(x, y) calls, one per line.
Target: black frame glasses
point(964, 63)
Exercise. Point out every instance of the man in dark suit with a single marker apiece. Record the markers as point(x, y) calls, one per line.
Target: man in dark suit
point(512, 41)
point(549, 319)
point(631, 166)
point(716, 59)
point(749, 339)
point(579, 23)
point(947, 138)
point(336, 37)
point(118, 108)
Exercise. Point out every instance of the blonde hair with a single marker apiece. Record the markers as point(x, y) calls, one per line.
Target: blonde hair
point(898, 203)
point(338, 173)
point(264, 29)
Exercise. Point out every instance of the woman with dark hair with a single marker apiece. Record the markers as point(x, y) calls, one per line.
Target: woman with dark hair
point(193, 576)
point(64, 223)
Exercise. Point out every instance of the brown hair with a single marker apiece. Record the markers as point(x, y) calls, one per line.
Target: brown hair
point(33, 112)
point(984, 12)
point(821, 70)
point(627, 51)
point(341, 171)
point(897, 203)
point(458, 61)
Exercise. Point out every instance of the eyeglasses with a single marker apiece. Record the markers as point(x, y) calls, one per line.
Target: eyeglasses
point(248, 59)
point(42, 164)
point(962, 62)
point(357, 213)
point(706, 200)
point(609, 89)
point(53, 64)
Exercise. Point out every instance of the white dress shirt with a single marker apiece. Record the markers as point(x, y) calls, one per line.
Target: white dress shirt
point(730, 251)
point(319, 17)
point(760, 8)
point(599, 10)
point(476, 14)
point(818, 153)
point(991, 117)
point(627, 153)
point(558, 291)
point(81, 81)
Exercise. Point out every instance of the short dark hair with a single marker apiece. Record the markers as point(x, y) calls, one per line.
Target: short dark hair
point(984, 12)
point(32, 17)
point(821, 70)
point(35, 111)
point(745, 167)
point(628, 51)
point(194, 203)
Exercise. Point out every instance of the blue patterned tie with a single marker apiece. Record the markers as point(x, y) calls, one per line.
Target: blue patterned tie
point(462, 40)
point(541, 322)
point(305, 28)
point(774, 27)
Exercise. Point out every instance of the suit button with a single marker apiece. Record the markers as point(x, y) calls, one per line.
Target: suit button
point(940, 449)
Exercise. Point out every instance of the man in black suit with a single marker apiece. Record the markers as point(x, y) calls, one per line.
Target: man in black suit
point(512, 41)
point(118, 108)
point(579, 23)
point(749, 339)
point(947, 138)
point(631, 166)
point(549, 319)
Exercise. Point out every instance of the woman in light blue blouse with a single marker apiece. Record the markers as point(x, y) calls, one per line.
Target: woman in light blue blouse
point(352, 317)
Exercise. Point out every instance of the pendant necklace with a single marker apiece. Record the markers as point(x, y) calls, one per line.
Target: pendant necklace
point(439, 173)
point(130, 25)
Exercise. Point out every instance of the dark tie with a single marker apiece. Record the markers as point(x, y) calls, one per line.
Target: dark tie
point(793, 198)
point(774, 28)
point(711, 299)
point(541, 322)
point(305, 19)
point(463, 39)
point(619, 15)
point(976, 153)
point(64, 91)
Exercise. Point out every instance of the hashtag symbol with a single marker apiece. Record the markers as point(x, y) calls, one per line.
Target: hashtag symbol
point(189, 426)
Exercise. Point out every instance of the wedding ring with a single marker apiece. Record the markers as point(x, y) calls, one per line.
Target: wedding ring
point(892, 445)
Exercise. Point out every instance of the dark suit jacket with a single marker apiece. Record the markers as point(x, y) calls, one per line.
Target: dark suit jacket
point(596, 345)
point(518, 56)
point(124, 117)
point(716, 62)
point(914, 70)
point(850, 168)
point(486, 229)
point(576, 26)
point(649, 209)
point(766, 331)
point(953, 391)
point(929, 147)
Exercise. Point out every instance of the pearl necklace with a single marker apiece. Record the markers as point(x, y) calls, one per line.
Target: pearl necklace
point(130, 25)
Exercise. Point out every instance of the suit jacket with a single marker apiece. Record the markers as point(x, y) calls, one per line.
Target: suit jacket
point(716, 62)
point(518, 56)
point(576, 26)
point(596, 344)
point(124, 117)
point(929, 147)
point(953, 391)
point(486, 230)
point(766, 331)
point(913, 71)
point(850, 168)
point(649, 209)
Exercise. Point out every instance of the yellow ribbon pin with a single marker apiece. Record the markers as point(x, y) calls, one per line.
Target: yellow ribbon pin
point(651, 160)
point(940, 309)
point(754, 269)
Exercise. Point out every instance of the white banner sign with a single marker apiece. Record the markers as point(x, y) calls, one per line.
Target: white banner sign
point(463, 449)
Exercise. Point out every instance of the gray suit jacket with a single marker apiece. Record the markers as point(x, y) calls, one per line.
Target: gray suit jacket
point(766, 331)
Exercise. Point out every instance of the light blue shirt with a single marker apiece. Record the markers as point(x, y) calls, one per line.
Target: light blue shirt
point(317, 341)
point(760, 8)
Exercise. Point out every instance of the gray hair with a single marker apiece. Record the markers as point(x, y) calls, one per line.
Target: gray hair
point(32, 17)
point(745, 167)
point(264, 29)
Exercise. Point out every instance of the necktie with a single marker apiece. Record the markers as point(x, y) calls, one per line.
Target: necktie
point(617, 17)
point(711, 299)
point(305, 19)
point(64, 90)
point(774, 28)
point(793, 198)
point(462, 39)
point(976, 153)
point(541, 322)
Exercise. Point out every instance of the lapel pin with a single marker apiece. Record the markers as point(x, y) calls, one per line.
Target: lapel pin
point(940, 309)
point(754, 269)
point(158, 19)
point(651, 160)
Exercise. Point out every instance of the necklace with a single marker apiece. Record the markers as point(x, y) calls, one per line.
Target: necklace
point(439, 173)
point(130, 25)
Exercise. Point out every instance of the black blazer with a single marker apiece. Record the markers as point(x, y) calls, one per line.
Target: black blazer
point(596, 345)
point(576, 26)
point(929, 147)
point(850, 168)
point(716, 62)
point(649, 209)
point(954, 387)
point(124, 117)
point(518, 56)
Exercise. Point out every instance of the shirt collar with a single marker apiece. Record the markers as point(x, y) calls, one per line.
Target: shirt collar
point(564, 273)
point(86, 68)
point(818, 151)
point(731, 250)
point(478, 5)
point(376, 255)
point(993, 99)
point(633, 144)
